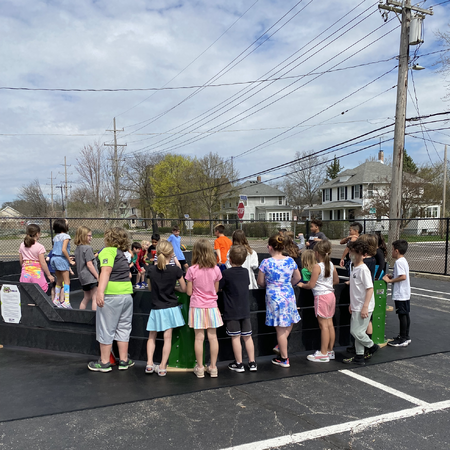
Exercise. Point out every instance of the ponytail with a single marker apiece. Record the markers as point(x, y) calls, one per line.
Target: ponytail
point(164, 251)
point(30, 238)
point(323, 248)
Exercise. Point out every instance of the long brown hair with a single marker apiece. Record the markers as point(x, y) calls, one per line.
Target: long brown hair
point(203, 254)
point(165, 250)
point(323, 248)
point(239, 238)
point(291, 247)
point(81, 236)
point(32, 232)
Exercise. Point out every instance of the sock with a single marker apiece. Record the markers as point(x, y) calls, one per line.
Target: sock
point(66, 294)
point(57, 293)
point(370, 335)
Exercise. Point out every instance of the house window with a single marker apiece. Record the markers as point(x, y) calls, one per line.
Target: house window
point(327, 195)
point(432, 211)
point(280, 200)
point(133, 222)
point(370, 191)
point(252, 216)
point(342, 193)
point(357, 191)
point(262, 216)
point(287, 216)
point(270, 216)
point(262, 199)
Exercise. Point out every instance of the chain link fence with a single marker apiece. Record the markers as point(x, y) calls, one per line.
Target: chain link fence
point(428, 238)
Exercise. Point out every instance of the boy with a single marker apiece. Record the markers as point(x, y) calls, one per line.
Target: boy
point(362, 303)
point(401, 292)
point(152, 249)
point(236, 309)
point(221, 245)
point(141, 265)
point(175, 240)
point(353, 234)
point(316, 235)
point(135, 249)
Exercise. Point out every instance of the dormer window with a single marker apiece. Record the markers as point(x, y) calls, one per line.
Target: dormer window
point(344, 179)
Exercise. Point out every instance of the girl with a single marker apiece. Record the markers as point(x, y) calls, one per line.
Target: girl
point(165, 314)
point(87, 266)
point(202, 285)
point(380, 257)
point(308, 263)
point(291, 249)
point(277, 274)
point(251, 262)
point(61, 262)
point(323, 277)
point(32, 259)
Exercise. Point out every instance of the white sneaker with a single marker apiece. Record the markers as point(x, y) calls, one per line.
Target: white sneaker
point(318, 357)
point(331, 355)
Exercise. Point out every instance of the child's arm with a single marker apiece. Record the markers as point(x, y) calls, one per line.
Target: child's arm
point(182, 287)
point(261, 281)
point(335, 276)
point(21, 259)
point(189, 288)
point(91, 267)
point(175, 259)
point(216, 286)
point(342, 262)
point(217, 252)
point(389, 279)
point(65, 252)
point(45, 267)
point(296, 277)
point(313, 280)
point(365, 308)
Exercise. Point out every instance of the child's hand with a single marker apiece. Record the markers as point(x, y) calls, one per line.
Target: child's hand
point(365, 312)
point(349, 309)
point(387, 278)
point(100, 299)
point(51, 278)
point(347, 283)
point(71, 272)
point(342, 263)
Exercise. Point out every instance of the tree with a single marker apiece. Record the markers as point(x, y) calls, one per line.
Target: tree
point(409, 166)
point(301, 185)
point(34, 202)
point(333, 169)
point(445, 58)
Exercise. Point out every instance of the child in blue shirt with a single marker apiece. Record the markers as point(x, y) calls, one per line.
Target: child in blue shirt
point(175, 240)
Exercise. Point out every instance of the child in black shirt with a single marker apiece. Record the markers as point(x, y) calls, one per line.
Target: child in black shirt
point(236, 309)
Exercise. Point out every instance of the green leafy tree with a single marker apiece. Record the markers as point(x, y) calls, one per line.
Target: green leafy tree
point(333, 169)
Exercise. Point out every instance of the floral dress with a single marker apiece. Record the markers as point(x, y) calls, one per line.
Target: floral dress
point(281, 307)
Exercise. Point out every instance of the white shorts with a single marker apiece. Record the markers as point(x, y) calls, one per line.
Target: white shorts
point(113, 321)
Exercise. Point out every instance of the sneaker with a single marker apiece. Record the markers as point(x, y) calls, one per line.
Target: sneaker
point(199, 372)
point(276, 349)
point(98, 366)
point(252, 366)
point(358, 359)
point(398, 342)
point(408, 339)
point(213, 373)
point(373, 349)
point(144, 285)
point(351, 349)
point(281, 362)
point(318, 357)
point(66, 305)
point(236, 367)
point(331, 355)
point(124, 365)
point(56, 302)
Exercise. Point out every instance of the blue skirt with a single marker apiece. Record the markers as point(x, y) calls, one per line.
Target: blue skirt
point(60, 263)
point(164, 319)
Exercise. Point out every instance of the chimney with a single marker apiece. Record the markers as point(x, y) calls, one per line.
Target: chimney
point(381, 156)
point(258, 179)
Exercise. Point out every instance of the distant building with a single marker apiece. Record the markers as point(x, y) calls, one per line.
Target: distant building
point(9, 212)
point(129, 209)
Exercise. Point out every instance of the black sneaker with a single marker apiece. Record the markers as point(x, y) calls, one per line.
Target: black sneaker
point(398, 342)
point(124, 365)
point(358, 359)
point(373, 349)
point(236, 367)
point(98, 366)
point(351, 349)
point(252, 366)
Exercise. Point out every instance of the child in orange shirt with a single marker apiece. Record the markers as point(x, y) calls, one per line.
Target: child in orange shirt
point(222, 245)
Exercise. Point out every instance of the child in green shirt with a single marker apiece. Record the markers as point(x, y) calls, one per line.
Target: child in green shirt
point(308, 261)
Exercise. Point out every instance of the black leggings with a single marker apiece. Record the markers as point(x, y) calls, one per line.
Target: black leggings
point(405, 322)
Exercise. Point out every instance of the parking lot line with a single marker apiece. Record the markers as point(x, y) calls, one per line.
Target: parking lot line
point(355, 426)
point(384, 388)
point(429, 290)
point(429, 296)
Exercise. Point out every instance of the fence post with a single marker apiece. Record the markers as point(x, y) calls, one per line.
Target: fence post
point(51, 229)
point(307, 230)
point(154, 226)
point(364, 226)
point(237, 224)
point(446, 246)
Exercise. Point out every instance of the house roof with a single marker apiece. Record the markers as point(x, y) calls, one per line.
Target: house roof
point(9, 211)
point(257, 189)
point(368, 172)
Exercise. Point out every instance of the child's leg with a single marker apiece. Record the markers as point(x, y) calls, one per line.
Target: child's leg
point(166, 349)
point(94, 298)
point(237, 348)
point(213, 346)
point(332, 334)
point(151, 344)
point(198, 346)
point(358, 329)
point(404, 325)
point(324, 335)
point(66, 278)
point(86, 299)
point(282, 337)
point(105, 352)
point(408, 324)
point(59, 283)
point(369, 329)
point(249, 347)
point(123, 350)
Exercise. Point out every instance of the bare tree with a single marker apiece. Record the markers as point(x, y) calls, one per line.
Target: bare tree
point(36, 203)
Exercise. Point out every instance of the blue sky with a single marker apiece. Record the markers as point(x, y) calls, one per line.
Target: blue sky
point(142, 43)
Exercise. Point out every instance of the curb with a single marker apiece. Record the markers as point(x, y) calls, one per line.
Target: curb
point(430, 276)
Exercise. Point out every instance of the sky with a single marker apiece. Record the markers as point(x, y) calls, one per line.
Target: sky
point(313, 46)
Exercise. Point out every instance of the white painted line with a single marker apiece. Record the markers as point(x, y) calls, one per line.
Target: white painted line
point(429, 296)
point(384, 388)
point(429, 290)
point(355, 426)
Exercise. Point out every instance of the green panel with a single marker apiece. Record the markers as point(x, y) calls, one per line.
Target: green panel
point(182, 354)
point(379, 312)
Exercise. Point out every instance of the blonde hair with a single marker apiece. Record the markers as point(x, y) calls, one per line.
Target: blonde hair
point(203, 254)
point(164, 249)
point(81, 235)
point(323, 248)
point(145, 243)
point(372, 242)
point(117, 237)
point(239, 238)
point(308, 259)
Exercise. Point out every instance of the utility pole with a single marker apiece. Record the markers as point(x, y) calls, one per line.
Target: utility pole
point(116, 167)
point(65, 185)
point(444, 192)
point(51, 192)
point(395, 201)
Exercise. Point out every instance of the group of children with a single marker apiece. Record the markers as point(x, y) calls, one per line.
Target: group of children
point(230, 267)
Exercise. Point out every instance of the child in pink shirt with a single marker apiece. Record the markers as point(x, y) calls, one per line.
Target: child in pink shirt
point(32, 259)
point(202, 285)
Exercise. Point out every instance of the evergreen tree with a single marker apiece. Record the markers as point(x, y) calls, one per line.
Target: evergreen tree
point(409, 165)
point(333, 169)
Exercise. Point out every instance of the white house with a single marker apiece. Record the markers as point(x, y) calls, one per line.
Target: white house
point(262, 203)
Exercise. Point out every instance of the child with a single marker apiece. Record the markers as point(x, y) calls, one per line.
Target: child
point(362, 303)
point(141, 265)
point(221, 245)
point(323, 277)
point(278, 274)
point(401, 292)
point(251, 261)
point(380, 257)
point(165, 314)
point(291, 249)
point(114, 301)
point(316, 235)
point(202, 285)
point(175, 240)
point(32, 259)
point(152, 249)
point(301, 244)
point(308, 263)
point(135, 249)
point(61, 262)
point(51, 289)
point(236, 308)
point(87, 266)
point(369, 259)
point(353, 234)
